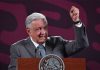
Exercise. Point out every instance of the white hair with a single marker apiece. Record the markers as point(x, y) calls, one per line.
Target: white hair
point(34, 16)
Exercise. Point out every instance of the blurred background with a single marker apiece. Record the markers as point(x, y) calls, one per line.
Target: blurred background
point(12, 28)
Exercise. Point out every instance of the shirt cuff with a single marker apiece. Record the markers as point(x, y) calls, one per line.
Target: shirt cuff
point(78, 24)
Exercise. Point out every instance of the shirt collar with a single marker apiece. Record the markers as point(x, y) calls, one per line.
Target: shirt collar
point(36, 44)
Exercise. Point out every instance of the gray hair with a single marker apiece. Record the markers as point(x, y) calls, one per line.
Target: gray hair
point(34, 16)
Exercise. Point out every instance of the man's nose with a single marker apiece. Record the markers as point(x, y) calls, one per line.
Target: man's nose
point(43, 31)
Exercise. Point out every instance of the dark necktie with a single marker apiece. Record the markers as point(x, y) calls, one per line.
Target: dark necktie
point(40, 51)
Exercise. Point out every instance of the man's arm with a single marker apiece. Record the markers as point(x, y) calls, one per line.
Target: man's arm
point(13, 57)
point(81, 40)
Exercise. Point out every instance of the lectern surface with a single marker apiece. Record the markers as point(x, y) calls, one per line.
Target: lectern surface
point(33, 63)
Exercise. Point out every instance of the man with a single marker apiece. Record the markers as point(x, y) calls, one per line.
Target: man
point(37, 29)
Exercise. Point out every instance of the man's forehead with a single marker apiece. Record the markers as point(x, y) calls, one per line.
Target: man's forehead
point(38, 22)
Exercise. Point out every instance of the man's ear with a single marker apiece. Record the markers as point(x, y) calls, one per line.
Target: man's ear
point(28, 31)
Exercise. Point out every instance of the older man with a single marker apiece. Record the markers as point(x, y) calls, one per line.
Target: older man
point(38, 44)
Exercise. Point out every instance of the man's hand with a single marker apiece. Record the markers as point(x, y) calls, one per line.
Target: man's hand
point(74, 14)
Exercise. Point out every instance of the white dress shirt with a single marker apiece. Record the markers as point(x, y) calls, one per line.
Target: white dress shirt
point(78, 24)
point(36, 44)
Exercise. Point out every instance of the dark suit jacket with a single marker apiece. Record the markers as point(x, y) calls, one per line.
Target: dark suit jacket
point(54, 45)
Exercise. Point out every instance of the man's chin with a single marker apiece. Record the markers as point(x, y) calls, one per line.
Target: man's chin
point(42, 40)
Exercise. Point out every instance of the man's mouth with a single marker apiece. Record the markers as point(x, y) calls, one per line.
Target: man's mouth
point(42, 37)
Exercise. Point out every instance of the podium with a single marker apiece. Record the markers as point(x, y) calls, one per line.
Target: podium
point(33, 63)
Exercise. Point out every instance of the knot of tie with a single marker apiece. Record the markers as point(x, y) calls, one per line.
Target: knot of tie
point(40, 47)
point(41, 51)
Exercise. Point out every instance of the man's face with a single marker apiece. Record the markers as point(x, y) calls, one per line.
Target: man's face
point(38, 31)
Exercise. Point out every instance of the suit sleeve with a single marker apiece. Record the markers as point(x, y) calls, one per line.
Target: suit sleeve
point(80, 42)
point(14, 55)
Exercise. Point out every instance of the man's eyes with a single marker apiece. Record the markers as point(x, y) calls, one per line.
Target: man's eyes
point(40, 29)
point(37, 29)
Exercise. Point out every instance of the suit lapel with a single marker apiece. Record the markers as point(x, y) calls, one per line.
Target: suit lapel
point(30, 47)
point(48, 49)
